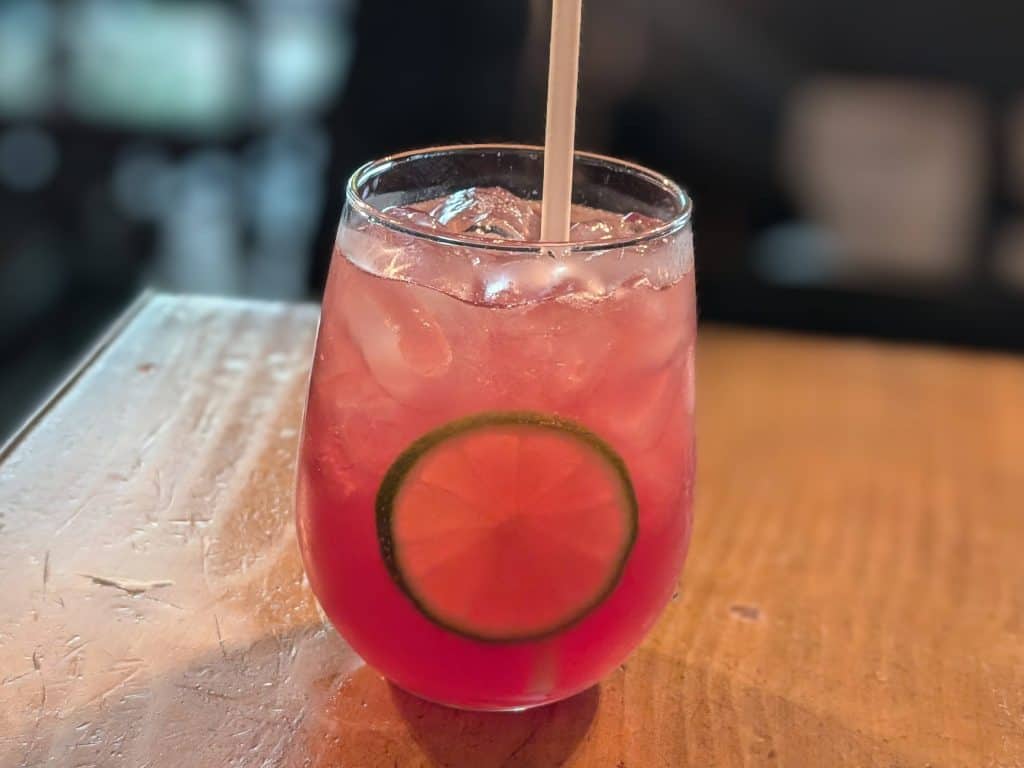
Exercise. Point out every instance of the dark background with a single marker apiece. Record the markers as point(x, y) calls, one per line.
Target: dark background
point(857, 166)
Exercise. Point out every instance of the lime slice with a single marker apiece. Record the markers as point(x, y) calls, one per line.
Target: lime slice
point(507, 526)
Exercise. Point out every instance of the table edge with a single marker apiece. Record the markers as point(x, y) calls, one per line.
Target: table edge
point(106, 338)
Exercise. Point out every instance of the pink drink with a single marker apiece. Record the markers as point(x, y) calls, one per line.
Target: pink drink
point(496, 471)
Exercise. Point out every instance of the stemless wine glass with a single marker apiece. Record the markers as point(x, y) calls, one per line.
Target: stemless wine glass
point(496, 470)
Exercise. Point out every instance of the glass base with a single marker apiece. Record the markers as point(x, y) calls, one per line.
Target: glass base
point(485, 707)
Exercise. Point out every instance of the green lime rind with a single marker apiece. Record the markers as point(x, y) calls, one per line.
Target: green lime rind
point(394, 478)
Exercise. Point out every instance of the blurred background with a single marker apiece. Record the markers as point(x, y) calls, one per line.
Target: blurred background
point(858, 165)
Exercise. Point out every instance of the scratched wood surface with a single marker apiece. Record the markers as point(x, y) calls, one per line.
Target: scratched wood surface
point(854, 594)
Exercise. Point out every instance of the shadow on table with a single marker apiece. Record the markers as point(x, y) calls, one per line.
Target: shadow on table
point(545, 736)
point(297, 698)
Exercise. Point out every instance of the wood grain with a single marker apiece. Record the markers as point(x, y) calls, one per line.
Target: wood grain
point(854, 594)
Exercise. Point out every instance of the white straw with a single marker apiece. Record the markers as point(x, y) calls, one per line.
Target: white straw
point(563, 71)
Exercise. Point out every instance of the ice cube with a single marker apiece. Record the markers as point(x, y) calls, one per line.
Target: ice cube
point(589, 231)
point(642, 403)
point(659, 323)
point(559, 352)
point(413, 216)
point(403, 344)
point(490, 212)
point(667, 466)
point(634, 223)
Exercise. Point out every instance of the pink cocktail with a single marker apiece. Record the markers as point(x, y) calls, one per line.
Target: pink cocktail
point(497, 464)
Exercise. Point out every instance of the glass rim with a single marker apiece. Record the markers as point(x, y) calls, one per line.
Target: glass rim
point(381, 217)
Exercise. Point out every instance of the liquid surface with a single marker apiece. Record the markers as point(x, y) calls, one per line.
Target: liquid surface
point(409, 343)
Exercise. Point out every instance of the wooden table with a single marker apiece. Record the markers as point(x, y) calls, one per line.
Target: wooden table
point(854, 594)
